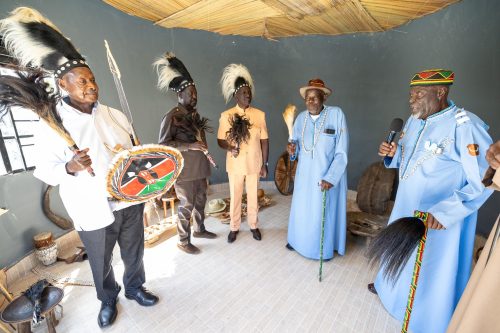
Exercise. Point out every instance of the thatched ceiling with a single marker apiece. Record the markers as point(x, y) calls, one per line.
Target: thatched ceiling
point(280, 18)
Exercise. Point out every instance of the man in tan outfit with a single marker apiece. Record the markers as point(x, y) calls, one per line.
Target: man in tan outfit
point(247, 162)
point(477, 310)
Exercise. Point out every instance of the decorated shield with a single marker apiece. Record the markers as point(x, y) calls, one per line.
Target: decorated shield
point(144, 172)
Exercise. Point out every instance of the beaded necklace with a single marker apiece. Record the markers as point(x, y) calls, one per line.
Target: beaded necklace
point(316, 133)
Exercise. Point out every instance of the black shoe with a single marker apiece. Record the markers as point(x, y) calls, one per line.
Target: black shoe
point(189, 248)
point(143, 297)
point(371, 288)
point(256, 234)
point(107, 314)
point(232, 236)
point(204, 234)
point(288, 246)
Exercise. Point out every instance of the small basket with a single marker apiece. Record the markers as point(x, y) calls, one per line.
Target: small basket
point(47, 255)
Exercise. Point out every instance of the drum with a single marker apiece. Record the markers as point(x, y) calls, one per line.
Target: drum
point(43, 239)
point(143, 172)
point(47, 255)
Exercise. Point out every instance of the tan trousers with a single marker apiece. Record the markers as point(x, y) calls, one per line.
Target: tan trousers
point(236, 189)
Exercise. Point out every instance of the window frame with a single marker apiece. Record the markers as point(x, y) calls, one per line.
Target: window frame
point(4, 153)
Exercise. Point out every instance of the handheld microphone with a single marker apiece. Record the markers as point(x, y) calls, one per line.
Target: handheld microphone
point(396, 126)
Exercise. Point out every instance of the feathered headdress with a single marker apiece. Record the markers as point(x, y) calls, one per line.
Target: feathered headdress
point(234, 77)
point(5, 58)
point(34, 41)
point(172, 74)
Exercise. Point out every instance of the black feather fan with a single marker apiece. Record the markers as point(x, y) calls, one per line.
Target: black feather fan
point(394, 245)
point(192, 124)
point(29, 91)
point(239, 132)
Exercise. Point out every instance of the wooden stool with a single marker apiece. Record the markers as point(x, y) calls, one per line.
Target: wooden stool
point(50, 319)
point(172, 206)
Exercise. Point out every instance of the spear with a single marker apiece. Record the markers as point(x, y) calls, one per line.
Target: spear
point(115, 71)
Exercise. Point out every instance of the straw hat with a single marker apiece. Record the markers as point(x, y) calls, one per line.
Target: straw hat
point(315, 84)
point(215, 206)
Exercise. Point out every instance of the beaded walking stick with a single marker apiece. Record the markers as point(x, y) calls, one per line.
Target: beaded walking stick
point(322, 237)
point(416, 272)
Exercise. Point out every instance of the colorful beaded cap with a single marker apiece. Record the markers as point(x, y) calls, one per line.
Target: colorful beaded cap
point(433, 77)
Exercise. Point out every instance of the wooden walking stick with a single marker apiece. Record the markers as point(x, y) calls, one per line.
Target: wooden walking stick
point(322, 237)
point(416, 273)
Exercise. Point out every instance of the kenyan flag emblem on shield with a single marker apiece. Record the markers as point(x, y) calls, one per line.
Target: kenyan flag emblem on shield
point(144, 172)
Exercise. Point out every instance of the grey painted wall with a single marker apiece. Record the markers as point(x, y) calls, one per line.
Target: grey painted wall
point(369, 74)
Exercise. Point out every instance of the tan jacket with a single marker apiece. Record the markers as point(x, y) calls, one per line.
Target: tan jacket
point(249, 160)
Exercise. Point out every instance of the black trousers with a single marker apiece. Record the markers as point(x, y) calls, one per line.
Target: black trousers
point(193, 196)
point(128, 231)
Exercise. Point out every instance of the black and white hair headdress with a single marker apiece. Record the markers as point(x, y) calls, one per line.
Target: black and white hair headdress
point(234, 77)
point(172, 74)
point(34, 41)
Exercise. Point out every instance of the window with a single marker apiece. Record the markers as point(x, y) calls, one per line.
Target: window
point(16, 138)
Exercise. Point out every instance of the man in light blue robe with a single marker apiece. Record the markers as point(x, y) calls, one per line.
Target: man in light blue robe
point(441, 160)
point(320, 141)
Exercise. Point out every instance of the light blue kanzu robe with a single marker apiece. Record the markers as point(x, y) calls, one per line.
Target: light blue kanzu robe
point(327, 161)
point(441, 162)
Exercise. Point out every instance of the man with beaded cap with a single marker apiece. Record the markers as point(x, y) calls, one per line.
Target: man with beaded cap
point(100, 132)
point(246, 163)
point(320, 140)
point(441, 160)
point(181, 128)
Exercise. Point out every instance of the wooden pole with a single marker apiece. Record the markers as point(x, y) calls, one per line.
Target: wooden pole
point(5, 292)
point(4, 328)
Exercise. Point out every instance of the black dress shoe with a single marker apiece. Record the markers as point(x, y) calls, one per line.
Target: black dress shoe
point(107, 314)
point(256, 234)
point(371, 288)
point(288, 246)
point(189, 248)
point(143, 297)
point(204, 234)
point(232, 236)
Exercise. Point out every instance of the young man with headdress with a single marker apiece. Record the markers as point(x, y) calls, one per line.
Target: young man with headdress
point(440, 156)
point(320, 141)
point(100, 131)
point(246, 159)
point(183, 128)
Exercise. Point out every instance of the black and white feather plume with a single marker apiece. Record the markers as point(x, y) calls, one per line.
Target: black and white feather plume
point(34, 41)
point(172, 74)
point(233, 78)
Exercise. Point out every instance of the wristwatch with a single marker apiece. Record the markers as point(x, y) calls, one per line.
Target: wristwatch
point(266, 163)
